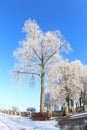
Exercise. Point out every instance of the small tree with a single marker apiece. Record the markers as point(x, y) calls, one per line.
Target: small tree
point(31, 109)
point(37, 52)
point(15, 109)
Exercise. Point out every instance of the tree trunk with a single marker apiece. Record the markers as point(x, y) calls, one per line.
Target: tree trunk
point(67, 100)
point(67, 111)
point(42, 94)
point(42, 89)
point(80, 101)
point(85, 108)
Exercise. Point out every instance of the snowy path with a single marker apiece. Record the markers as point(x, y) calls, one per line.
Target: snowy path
point(18, 123)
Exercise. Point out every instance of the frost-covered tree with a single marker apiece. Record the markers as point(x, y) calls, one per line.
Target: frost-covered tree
point(84, 81)
point(66, 83)
point(56, 82)
point(37, 52)
point(15, 109)
point(76, 70)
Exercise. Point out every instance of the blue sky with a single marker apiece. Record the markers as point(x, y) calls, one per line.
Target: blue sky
point(68, 16)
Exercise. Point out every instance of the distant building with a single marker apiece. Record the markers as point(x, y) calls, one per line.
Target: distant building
point(47, 102)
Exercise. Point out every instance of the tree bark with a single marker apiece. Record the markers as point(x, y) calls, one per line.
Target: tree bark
point(67, 100)
point(42, 87)
point(42, 94)
point(80, 101)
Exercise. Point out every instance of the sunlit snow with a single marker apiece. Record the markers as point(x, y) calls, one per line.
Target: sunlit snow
point(19, 123)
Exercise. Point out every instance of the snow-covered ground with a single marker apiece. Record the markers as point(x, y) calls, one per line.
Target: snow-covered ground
point(79, 115)
point(10, 122)
point(18, 123)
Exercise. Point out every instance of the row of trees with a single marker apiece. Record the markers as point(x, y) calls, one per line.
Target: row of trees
point(69, 82)
point(17, 109)
point(39, 59)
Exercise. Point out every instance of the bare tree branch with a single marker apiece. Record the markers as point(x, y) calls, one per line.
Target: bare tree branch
point(55, 51)
point(36, 54)
point(50, 57)
point(22, 72)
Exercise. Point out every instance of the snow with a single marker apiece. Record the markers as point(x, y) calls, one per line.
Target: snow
point(10, 122)
point(79, 115)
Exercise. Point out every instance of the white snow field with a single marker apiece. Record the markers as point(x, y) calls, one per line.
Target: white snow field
point(9, 122)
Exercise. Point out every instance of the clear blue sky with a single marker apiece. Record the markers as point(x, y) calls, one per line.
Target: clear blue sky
point(68, 16)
